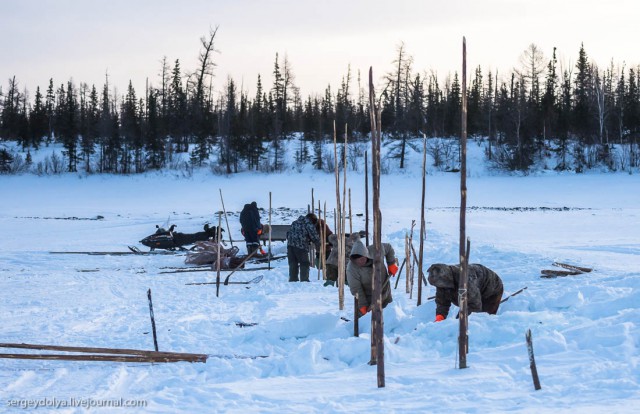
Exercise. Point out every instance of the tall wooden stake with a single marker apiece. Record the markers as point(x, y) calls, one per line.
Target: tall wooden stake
point(324, 258)
point(532, 361)
point(422, 223)
point(225, 218)
point(270, 233)
point(338, 223)
point(377, 327)
point(323, 238)
point(409, 262)
point(153, 321)
point(462, 290)
point(350, 219)
point(342, 242)
point(366, 198)
point(219, 259)
point(356, 316)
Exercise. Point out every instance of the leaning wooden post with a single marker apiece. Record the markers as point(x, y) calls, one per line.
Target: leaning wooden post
point(225, 218)
point(153, 321)
point(408, 261)
point(377, 327)
point(462, 290)
point(324, 257)
point(350, 219)
point(422, 223)
point(356, 316)
point(338, 222)
point(366, 198)
point(343, 268)
point(323, 239)
point(532, 362)
point(269, 250)
point(219, 258)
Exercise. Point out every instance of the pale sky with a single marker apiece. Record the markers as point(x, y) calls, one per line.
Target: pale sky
point(84, 39)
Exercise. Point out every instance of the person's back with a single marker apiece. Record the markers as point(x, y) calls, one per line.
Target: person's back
point(250, 223)
point(300, 235)
point(484, 288)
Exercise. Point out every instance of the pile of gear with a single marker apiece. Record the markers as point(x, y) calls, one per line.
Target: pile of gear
point(206, 252)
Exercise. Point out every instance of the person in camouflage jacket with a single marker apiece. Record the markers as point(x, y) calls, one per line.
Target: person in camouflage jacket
point(484, 288)
point(360, 274)
point(302, 233)
point(332, 260)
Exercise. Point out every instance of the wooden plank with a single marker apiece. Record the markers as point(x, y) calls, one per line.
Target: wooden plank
point(102, 357)
point(550, 273)
point(94, 350)
point(572, 267)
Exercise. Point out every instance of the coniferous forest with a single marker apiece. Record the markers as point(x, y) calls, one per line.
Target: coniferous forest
point(578, 113)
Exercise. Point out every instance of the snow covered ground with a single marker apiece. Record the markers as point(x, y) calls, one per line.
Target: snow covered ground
point(301, 356)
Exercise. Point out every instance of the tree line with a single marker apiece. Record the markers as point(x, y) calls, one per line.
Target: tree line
point(579, 112)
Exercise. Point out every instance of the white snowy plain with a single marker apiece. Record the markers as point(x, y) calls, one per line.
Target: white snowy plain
point(301, 357)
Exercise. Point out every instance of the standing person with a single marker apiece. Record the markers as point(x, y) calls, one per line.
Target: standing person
point(251, 226)
point(360, 274)
point(484, 288)
point(332, 260)
point(300, 235)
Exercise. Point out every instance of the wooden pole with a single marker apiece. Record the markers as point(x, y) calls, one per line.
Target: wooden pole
point(377, 334)
point(225, 218)
point(462, 290)
point(338, 222)
point(324, 258)
point(342, 273)
point(350, 219)
point(532, 362)
point(356, 316)
point(269, 252)
point(410, 270)
point(153, 321)
point(218, 261)
point(366, 198)
point(323, 239)
point(422, 222)
point(110, 351)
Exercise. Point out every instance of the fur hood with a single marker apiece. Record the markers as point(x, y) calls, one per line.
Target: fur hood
point(442, 276)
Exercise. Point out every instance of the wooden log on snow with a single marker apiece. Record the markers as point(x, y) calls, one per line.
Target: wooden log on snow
point(107, 352)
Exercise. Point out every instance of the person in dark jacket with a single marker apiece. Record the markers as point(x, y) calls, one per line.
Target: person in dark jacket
point(251, 226)
point(302, 233)
point(360, 274)
point(484, 288)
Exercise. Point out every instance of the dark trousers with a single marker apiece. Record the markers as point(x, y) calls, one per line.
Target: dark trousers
point(298, 262)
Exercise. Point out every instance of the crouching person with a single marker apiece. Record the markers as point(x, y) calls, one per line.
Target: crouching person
point(301, 234)
point(360, 274)
point(484, 288)
point(332, 260)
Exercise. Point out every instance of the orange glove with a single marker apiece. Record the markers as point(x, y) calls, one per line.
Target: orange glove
point(440, 318)
point(259, 232)
point(393, 269)
point(364, 310)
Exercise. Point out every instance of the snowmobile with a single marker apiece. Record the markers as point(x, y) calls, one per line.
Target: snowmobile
point(172, 240)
